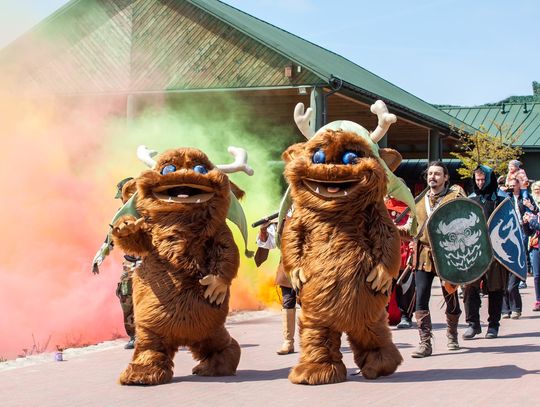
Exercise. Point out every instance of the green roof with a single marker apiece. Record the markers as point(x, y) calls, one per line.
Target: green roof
point(516, 118)
point(322, 63)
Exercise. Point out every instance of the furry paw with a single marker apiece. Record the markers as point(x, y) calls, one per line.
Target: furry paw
point(298, 279)
point(136, 374)
point(379, 362)
point(380, 279)
point(128, 225)
point(318, 373)
point(216, 289)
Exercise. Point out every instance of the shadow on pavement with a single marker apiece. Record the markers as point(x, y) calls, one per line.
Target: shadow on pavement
point(241, 376)
point(481, 373)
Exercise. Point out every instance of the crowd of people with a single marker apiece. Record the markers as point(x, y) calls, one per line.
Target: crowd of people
point(414, 284)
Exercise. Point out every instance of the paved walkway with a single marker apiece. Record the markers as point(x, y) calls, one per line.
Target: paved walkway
point(500, 372)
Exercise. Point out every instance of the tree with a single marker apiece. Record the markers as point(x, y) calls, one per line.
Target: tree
point(484, 148)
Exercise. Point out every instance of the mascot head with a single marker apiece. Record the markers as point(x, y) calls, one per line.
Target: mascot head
point(185, 184)
point(340, 165)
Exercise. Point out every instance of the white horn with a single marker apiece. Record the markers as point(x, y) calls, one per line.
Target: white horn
point(385, 120)
point(239, 164)
point(145, 155)
point(302, 120)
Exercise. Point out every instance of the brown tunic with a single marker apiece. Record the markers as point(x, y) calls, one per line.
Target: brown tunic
point(424, 260)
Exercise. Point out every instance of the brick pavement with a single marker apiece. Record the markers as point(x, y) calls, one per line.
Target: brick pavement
point(500, 372)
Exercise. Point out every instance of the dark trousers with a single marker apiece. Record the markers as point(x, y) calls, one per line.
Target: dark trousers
point(424, 281)
point(472, 303)
point(288, 297)
point(535, 263)
point(512, 297)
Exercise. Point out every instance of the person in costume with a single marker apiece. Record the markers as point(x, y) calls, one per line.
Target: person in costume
point(340, 248)
point(495, 279)
point(439, 192)
point(176, 221)
point(266, 240)
point(124, 291)
point(404, 293)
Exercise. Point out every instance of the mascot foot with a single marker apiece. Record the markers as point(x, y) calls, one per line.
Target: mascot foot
point(318, 373)
point(222, 363)
point(380, 362)
point(136, 374)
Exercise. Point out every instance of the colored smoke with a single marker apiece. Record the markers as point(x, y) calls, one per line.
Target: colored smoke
point(62, 159)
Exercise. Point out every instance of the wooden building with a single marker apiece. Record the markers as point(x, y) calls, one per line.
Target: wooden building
point(176, 50)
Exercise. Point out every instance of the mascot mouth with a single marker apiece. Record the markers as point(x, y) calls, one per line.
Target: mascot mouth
point(331, 189)
point(183, 193)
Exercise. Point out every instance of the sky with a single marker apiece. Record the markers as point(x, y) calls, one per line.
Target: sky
point(457, 52)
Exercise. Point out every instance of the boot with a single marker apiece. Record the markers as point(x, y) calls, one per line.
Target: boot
point(289, 323)
point(131, 343)
point(451, 331)
point(423, 320)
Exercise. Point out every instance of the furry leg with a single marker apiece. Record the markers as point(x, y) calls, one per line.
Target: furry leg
point(219, 355)
point(320, 358)
point(152, 361)
point(373, 350)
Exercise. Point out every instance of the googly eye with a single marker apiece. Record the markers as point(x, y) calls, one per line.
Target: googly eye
point(168, 169)
point(319, 157)
point(349, 157)
point(201, 169)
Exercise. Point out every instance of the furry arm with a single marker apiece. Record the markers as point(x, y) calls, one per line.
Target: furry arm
point(131, 235)
point(293, 250)
point(386, 250)
point(223, 266)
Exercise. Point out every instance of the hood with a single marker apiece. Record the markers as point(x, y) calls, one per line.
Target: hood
point(490, 186)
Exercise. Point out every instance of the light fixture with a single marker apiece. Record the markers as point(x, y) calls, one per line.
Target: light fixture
point(302, 90)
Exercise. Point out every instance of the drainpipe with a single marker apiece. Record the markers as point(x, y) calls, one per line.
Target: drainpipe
point(335, 84)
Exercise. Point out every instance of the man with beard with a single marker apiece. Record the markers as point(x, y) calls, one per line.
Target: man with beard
point(494, 280)
point(439, 193)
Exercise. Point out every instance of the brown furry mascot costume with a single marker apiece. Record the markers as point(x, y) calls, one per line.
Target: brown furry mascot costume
point(342, 251)
point(189, 258)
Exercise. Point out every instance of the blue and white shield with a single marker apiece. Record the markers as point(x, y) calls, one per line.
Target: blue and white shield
point(507, 239)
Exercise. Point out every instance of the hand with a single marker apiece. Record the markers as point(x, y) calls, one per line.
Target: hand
point(216, 290)
point(380, 279)
point(128, 225)
point(528, 204)
point(298, 279)
point(527, 217)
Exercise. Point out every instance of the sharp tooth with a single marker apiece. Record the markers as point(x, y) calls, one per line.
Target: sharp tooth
point(199, 200)
point(317, 190)
point(345, 193)
point(170, 199)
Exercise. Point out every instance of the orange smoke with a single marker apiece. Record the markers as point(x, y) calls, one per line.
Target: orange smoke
point(61, 162)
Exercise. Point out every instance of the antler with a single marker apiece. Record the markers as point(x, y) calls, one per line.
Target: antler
point(302, 120)
point(239, 164)
point(145, 155)
point(385, 120)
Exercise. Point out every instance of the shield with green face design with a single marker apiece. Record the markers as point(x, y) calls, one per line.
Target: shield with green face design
point(459, 240)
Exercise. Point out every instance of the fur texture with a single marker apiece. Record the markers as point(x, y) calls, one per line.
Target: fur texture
point(182, 237)
point(341, 250)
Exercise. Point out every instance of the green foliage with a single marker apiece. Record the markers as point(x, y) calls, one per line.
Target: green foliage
point(484, 148)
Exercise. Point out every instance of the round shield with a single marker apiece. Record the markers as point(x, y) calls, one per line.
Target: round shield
point(459, 240)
